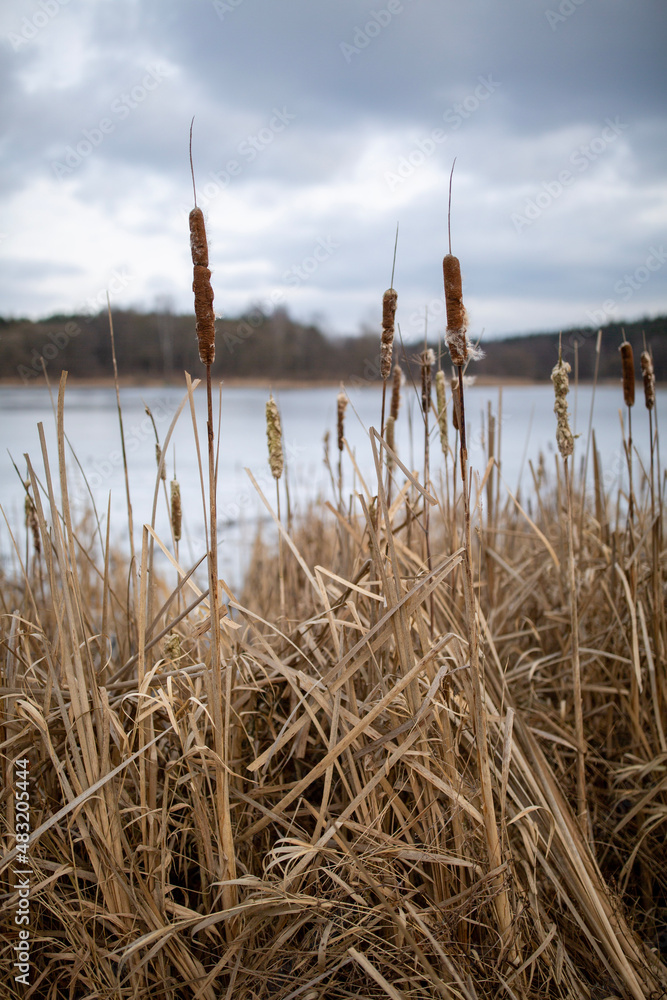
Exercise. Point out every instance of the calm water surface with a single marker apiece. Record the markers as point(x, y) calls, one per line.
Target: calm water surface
point(91, 424)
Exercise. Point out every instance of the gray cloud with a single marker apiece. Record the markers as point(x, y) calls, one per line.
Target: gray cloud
point(332, 122)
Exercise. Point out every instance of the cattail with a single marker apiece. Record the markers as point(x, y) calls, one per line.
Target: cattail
point(562, 387)
point(455, 404)
point(440, 383)
point(426, 361)
point(274, 436)
point(198, 243)
point(456, 315)
point(342, 404)
point(205, 317)
point(628, 368)
point(389, 300)
point(176, 513)
point(158, 459)
point(32, 523)
point(396, 391)
point(172, 647)
point(389, 434)
point(649, 379)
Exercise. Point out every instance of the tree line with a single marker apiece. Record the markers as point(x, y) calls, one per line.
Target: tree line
point(257, 345)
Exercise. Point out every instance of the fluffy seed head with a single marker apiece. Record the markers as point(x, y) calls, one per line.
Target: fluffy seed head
point(396, 391)
point(649, 379)
point(440, 396)
point(456, 315)
point(158, 459)
point(389, 300)
point(426, 361)
point(342, 404)
point(389, 434)
point(628, 369)
point(176, 512)
point(274, 436)
point(204, 315)
point(198, 243)
point(561, 387)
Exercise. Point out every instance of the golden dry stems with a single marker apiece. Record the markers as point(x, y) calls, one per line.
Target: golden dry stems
point(456, 315)
point(648, 375)
point(389, 300)
point(274, 437)
point(397, 383)
point(559, 377)
point(628, 373)
point(397, 870)
point(176, 511)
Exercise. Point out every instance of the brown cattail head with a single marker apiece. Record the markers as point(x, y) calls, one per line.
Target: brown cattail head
point(158, 459)
point(440, 395)
point(32, 523)
point(649, 379)
point(205, 317)
point(628, 370)
point(396, 391)
point(457, 320)
point(342, 404)
point(198, 244)
point(389, 300)
point(455, 404)
point(391, 441)
point(274, 436)
point(426, 361)
point(562, 387)
point(176, 512)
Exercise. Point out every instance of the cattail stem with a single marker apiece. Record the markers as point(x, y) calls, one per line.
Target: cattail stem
point(205, 326)
point(503, 909)
point(274, 436)
point(582, 804)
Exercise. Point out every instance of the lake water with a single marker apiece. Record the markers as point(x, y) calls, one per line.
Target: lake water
point(91, 424)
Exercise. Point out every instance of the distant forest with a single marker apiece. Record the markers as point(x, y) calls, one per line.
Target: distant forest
point(259, 346)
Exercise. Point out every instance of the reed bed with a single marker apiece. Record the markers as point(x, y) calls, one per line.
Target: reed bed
point(369, 774)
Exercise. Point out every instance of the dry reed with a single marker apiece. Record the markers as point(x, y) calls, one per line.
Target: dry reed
point(385, 801)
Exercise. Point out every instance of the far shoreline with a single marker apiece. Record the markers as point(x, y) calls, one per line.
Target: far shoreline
point(235, 382)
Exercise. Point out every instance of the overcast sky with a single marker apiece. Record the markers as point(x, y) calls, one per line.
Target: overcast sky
point(319, 126)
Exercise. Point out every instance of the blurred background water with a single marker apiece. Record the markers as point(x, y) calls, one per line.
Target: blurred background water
point(524, 416)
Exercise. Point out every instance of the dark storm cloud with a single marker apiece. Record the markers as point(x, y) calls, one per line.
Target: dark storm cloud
point(329, 122)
